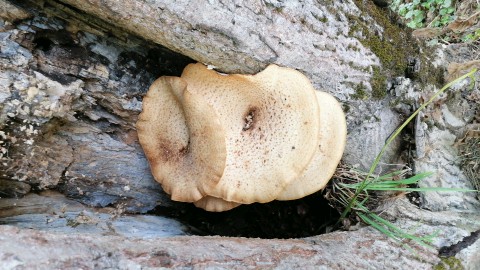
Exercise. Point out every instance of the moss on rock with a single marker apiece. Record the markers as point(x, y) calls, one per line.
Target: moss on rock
point(360, 92)
point(393, 47)
point(449, 263)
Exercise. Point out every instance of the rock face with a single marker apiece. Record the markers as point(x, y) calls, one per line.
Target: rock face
point(84, 251)
point(53, 212)
point(79, 90)
point(72, 77)
point(320, 40)
point(70, 100)
point(67, 235)
point(439, 133)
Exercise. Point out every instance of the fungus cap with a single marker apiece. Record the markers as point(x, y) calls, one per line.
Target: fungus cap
point(182, 138)
point(214, 204)
point(333, 133)
point(271, 123)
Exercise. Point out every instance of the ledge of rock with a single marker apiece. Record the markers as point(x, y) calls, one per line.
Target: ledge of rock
point(76, 190)
point(73, 81)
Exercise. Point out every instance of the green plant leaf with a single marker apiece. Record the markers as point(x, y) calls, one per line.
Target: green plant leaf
point(426, 5)
point(414, 24)
point(418, 12)
point(446, 3)
point(418, 19)
point(403, 10)
point(377, 226)
point(408, 189)
point(409, 14)
point(392, 231)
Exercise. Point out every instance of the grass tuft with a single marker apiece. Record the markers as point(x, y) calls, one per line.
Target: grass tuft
point(355, 193)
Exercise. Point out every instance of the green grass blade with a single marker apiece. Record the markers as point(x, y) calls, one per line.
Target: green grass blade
point(426, 189)
point(378, 227)
point(434, 189)
point(392, 231)
point(412, 180)
point(375, 163)
point(409, 119)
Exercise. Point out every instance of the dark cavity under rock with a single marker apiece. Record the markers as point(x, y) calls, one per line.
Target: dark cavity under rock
point(278, 219)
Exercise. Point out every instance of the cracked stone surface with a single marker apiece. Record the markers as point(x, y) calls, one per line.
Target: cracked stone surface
point(71, 94)
point(204, 252)
point(439, 129)
point(72, 77)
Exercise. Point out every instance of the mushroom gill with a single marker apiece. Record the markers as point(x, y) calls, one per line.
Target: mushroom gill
point(225, 140)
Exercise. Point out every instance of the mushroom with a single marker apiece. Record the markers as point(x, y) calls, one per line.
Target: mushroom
point(220, 141)
point(333, 133)
point(271, 128)
point(182, 138)
point(214, 204)
point(332, 138)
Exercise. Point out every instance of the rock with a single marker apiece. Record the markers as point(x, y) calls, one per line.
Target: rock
point(455, 230)
point(41, 164)
point(246, 37)
point(439, 158)
point(438, 131)
point(247, 33)
point(121, 242)
point(64, 216)
point(69, 103)
point(32, 248)
point(364, 142)
point(10, 12)
point(13, 189)
point(469, 255)
point(71, 85)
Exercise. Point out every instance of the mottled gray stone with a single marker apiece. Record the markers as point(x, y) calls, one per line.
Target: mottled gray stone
point(10, 12)
point(69, 103)
point(78, 91)
point(437, 132)
point(441, 158)
point(53, 212)
point(13, 189)
point(246, 36)
point(70, 92)
point(365, 141)
point(362, 249)
point(470, 256)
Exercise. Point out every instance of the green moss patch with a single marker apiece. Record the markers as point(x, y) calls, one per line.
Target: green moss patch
point(393, 47)
point(450, 263)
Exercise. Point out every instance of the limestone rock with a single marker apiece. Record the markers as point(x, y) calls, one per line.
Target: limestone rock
point(52, 212)
point(71, 93)
point(72, 77)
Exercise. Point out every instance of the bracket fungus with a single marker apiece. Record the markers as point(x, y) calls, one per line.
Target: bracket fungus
point(224, 140)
